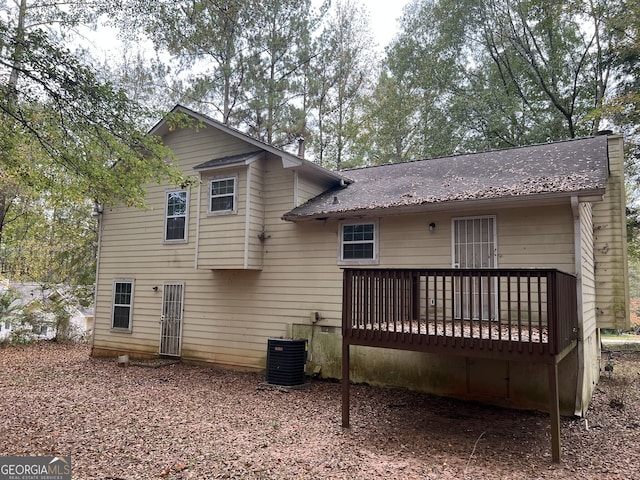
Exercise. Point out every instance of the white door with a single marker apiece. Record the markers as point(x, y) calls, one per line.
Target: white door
point(474, 246)
point(171, 319)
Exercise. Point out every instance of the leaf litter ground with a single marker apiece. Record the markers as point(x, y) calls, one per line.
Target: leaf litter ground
point(180, 421)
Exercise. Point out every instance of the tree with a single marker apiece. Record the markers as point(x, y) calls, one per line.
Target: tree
point(208, 42)
point(549, 55)
point(496, 73)
point(342, 75)
point(410, 113)
point(56, 111)
point(281, 47)
point(68, 138)
point(623, 108)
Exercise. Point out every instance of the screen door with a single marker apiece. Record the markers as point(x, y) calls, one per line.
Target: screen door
point(474, 246)
point(171, 319)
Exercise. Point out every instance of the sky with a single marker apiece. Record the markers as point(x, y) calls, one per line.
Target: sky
point(384, 16)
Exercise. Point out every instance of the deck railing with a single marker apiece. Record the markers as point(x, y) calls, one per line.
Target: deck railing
point(532, 310)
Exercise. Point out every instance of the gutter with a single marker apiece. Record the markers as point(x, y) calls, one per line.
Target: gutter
point(99, 212)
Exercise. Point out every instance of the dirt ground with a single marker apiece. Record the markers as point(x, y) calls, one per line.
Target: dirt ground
point(179, 421)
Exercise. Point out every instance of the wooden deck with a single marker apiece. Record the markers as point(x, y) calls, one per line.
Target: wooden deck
point(513, 314)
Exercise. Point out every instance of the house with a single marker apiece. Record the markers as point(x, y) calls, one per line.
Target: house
point(25, 312)
point(526, 242)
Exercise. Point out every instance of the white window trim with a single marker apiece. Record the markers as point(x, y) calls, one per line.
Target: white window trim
point(369, 261)
point(166, 217)
point(113, 303)
point(235, 195)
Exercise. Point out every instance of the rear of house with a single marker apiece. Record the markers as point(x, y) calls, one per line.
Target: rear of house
point(254, 245)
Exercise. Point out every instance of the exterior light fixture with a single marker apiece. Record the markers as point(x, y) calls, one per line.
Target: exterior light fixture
point(432, 226)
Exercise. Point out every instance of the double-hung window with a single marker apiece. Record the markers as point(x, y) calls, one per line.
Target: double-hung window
point(223, 195)
point(176, 216)
point(359, 243)
point(122, 304)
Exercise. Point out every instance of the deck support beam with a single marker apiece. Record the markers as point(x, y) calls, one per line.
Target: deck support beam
point(554, 411)
point(345, 383)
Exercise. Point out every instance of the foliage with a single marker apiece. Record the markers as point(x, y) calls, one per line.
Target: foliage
point(29, 307)
point(8, 304)
point(624, 106)
point(340, 80)
point(61, 116)
point(479, 75)
point(408, 116)
point(68, 138)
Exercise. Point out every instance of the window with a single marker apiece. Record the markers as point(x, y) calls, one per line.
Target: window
point(222, 195)
point(358, 243)
point(122, 304)
point(176, 217)
point(40, 329)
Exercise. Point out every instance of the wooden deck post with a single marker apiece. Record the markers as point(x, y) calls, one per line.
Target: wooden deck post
point(554, 411)
point(345, 383)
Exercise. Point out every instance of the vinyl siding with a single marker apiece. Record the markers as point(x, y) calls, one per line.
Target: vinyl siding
point(308, 188)
point(537, 237)
point(587, 274)
point(230, 313)
point(610, 246)
point(588, 339)
point(222, 236)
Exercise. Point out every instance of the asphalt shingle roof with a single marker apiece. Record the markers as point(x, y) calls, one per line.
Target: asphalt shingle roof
point(569, 167)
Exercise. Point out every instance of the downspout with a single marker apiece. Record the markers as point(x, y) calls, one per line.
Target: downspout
point(247, 217)
point(577, 248)
point(197, 244)
point(98, 213)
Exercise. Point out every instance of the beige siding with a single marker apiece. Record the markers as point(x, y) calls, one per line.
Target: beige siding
point(308, 188)
point(587, 274)
point(222, 236)
point(539, 237)
point(256, 228)
point(230, 314)
point(610, 247)
point(260, 276)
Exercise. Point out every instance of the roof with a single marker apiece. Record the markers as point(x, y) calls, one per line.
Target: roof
point(567, 168)
point(242, 158)
point(289, 160)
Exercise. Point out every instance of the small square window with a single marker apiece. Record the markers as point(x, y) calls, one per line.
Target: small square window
point(222, 195)
point(358, 243)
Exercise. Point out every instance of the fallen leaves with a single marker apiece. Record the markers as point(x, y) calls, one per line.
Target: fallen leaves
point(181, 422)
